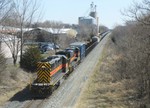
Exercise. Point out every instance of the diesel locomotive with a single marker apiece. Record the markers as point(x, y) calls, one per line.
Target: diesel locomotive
point(52, 69)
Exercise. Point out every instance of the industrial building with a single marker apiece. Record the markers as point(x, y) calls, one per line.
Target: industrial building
point(91, 20)
point(87, 20)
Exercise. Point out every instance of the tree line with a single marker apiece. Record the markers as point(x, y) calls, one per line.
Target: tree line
point(132, 44)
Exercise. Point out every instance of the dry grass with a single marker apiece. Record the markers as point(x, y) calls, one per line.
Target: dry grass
point(12, 80)
point(102, 90)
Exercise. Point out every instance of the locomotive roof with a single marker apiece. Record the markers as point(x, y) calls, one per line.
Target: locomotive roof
point(70, 48)
point(52, 59)
point(62, 51)
point(77, 43)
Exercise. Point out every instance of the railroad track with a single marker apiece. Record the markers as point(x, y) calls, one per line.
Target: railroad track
point(35, 103)
point(38, 103)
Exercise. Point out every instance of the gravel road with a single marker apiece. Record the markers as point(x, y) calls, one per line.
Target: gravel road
point(68, 92)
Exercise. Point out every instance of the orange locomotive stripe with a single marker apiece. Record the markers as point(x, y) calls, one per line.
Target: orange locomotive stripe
point(65, 65)
point(73, 58)
point(56, 70)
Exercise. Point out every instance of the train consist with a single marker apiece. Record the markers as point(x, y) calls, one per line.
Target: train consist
point(51, 70)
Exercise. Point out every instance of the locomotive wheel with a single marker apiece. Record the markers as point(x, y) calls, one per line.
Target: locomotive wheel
point(51, 90)
point(57, 85)
point(70, 69)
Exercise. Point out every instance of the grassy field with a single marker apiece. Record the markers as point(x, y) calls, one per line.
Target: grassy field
point(102, 90)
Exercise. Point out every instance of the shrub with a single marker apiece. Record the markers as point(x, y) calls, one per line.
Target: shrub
point(30, 58)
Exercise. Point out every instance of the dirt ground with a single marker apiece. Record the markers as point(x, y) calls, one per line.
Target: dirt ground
point(12, 80)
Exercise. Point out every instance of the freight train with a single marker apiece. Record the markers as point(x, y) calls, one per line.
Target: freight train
point(51, 70)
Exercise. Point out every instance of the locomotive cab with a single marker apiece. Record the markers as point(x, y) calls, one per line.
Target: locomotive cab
point(67, 54)
point(82, 49)
point(74, 52)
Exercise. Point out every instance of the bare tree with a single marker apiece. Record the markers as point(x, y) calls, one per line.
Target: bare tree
point(5, 7)
point(13, 43)
point(131, 43)
point(56, 29)
point(86, 31)
point(102, 29)
point(24, 10)
point(139, 12)
point(15, 20)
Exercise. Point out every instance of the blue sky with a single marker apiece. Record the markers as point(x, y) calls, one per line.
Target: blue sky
point(68, 11)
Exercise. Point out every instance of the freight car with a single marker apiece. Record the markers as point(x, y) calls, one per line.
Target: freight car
point(51, 70)
point(91, 44)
